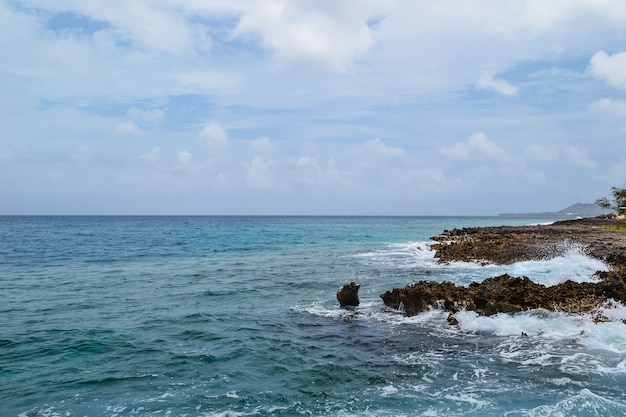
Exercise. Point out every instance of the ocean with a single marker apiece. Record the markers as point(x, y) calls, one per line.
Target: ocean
point(238, 316)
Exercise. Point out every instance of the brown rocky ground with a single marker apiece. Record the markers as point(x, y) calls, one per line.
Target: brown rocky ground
point(602, 238)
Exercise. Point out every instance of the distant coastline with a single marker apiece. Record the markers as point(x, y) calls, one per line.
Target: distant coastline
point(573, 211)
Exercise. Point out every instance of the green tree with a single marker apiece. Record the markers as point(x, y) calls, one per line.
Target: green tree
point(619, 200)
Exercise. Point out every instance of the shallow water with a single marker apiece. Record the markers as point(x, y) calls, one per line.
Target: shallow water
point(237, 316)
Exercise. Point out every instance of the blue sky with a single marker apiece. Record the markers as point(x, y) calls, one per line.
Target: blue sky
point(389, 107)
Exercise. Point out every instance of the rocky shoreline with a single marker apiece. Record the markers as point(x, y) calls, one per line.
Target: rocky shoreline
point(599, 237)
point(603, 238)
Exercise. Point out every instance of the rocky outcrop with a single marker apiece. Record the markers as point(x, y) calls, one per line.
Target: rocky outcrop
point(348, 296)
point(506, 294)
point(509, 244)
point(601, 238)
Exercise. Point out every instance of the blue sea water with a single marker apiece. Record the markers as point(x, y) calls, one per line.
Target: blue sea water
point(237, 316)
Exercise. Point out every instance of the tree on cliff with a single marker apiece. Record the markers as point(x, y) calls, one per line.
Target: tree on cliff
point(619, 200)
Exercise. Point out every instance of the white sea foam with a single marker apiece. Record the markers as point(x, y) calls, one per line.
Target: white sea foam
point(539, 338)
point(46, 412)
point(585, 403)
point(389, 390)
point(571, 264)
point(401, 255)
point(476, 403)
point(577, 344)
point(541, 224)
point(547, 324)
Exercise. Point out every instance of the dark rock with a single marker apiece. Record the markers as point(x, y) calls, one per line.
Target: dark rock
point(599, 237)
point(503, 294)
point(452, 320)
point(349, 295)
point(506, 294)
point(420, 297)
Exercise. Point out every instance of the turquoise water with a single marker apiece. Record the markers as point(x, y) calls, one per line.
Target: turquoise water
point(237, 316)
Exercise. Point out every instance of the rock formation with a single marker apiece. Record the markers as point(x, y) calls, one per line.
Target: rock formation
point(509, 244)
point(349, 295)
point(601, 238)
point(506, 294)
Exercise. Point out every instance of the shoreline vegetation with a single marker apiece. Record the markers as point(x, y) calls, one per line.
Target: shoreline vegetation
point(603, 238)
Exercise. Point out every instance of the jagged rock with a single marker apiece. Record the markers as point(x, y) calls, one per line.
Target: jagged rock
point(506, 294)
point(349, 295)
point(420, 297)
point(599, 237)
point(508, 244)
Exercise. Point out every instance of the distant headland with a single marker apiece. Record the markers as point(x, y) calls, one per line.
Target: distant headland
point(575, 210)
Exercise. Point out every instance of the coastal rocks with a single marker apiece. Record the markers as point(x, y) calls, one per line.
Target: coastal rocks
point(506, 294)
point(349, 295)
point(503, 294)
point(602, 238)
point(508, 244)
point(419, 297)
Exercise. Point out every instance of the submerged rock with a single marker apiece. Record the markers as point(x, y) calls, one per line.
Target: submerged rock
point(349, 295)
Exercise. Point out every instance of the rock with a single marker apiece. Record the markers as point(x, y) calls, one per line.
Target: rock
point(598, 237)
point(506, 294)
point(508, 244)
point(423, 295)
point(503, 294)
point(349, 295)
point(452, 320)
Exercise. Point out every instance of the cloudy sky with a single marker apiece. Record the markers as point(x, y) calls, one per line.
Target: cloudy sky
point(398, 107)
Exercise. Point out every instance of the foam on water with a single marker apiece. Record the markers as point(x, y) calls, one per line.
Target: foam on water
point(238, 317)
point(401, 255)
point(574, 346)
point(570, 263)
point(573, 264)
point(584, 404)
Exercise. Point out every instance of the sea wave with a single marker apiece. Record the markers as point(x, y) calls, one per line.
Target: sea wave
point(583, 404)
point(565, 262)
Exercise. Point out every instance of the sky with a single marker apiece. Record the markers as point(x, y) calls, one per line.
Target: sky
point(310, 107)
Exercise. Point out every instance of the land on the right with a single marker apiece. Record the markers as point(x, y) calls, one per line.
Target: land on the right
point(601, 237)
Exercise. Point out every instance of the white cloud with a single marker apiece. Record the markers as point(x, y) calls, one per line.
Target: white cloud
point(478, 145)
point(487, 80)
point(153, 155)
point(424, 179)
point(215, 138)
point(610, 68)
point(308, 173)
point(260, 173)
point(149, 115)
point(203, 81)
point(184, 157)
point(542, 153)
point(262, 145)
point(328, 35)
point(128, 128)
point(577, 156)
point(378, 148)
point(341, 64)
point(307, 161)
point(616, 173)
point(147, 24)
point(613, 107)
